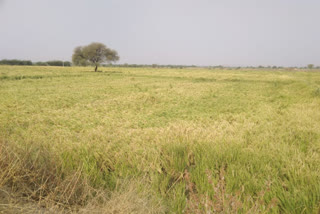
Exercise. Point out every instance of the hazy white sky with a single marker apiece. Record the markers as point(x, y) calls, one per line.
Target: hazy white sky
point(200, 32)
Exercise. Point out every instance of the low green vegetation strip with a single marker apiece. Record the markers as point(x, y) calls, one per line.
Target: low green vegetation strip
point(149, 140)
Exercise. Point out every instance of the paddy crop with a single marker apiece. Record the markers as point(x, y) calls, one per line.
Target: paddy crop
point(151, 140)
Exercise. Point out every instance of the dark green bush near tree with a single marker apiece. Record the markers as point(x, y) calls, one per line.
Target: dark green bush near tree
point(58, 63)
point(40, 64)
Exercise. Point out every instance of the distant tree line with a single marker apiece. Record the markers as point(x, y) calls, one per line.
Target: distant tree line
point(15, 62)
point(149, 66)
point(68, 64)
point(54, 63)
point(208, 67)
point(28, 62)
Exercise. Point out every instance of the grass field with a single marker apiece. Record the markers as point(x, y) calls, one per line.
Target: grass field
point(149, 140)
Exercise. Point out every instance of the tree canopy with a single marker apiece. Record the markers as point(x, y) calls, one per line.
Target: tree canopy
point(310, 66)
point(94, 54)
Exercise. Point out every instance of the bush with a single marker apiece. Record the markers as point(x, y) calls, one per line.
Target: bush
point(58, 63)
point(41, 64)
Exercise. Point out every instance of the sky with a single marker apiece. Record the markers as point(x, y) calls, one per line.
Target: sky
point(189, 32)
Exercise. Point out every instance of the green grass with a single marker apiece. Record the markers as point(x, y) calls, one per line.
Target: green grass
point(68, 133)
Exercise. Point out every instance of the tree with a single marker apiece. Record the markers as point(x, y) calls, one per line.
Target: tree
point(94, 54)
point(310, 66)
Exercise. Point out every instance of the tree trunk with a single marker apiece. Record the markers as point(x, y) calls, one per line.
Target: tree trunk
point(95, 70)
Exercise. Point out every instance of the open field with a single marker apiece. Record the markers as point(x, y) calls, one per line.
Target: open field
point(148, 140)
